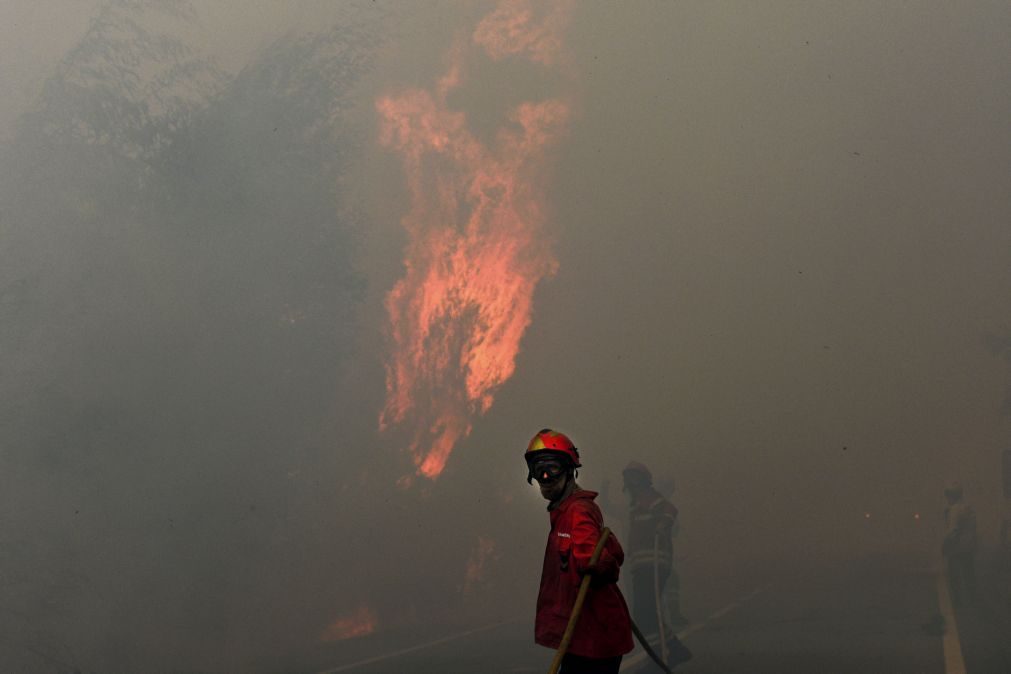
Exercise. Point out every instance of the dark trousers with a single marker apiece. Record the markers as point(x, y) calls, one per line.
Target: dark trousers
point(577, 664)
point(644, 613)
point(962, 578)
point(644, 599)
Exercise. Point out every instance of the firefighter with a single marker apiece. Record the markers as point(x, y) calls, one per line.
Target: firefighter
point(652, 524)
point(603, 633)
point(959, 545)
point(1004, 559)
point(672, 590)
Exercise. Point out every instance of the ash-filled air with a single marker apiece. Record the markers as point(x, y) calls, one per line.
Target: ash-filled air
point(287, 286)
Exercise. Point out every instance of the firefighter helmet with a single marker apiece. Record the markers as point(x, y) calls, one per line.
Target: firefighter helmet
point(554, 442)
point(636, 468)
point(953, 489)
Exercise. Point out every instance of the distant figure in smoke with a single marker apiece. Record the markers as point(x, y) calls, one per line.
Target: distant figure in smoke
point(671, 598)
point(652, 525)
point(959, 545)
point(603, 634)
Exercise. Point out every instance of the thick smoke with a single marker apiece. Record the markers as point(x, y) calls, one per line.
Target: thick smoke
point(753, 245)
point(179, 303)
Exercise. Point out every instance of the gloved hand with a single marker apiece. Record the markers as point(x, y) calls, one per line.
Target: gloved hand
point(598, 577)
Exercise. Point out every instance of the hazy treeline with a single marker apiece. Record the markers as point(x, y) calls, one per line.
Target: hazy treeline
point(177, 297)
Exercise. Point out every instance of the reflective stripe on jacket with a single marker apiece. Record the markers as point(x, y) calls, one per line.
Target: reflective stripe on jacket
point(604, 628)
point(651, 514)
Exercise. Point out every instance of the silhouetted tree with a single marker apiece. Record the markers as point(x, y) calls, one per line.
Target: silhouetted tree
point(178, 294)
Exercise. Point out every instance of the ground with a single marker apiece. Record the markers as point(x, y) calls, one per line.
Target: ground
point(880, 614)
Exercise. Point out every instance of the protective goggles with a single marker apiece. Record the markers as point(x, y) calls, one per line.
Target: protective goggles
point(547, 470)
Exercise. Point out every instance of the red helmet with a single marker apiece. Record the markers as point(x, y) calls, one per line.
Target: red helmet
point(554, 442)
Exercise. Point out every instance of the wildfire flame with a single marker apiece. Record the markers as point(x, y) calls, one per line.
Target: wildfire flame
point(475, 251)
point(482, 553)
point(359, 624)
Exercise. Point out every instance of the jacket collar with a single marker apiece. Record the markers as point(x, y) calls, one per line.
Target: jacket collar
point(566, 503)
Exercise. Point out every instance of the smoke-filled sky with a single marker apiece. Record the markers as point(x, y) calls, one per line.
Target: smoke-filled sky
point(762, 247)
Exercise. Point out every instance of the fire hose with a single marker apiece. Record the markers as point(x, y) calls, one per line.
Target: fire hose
point(577, 608)
point(656, 596)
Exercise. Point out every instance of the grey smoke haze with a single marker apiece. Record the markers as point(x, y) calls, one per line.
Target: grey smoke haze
point(784, 261)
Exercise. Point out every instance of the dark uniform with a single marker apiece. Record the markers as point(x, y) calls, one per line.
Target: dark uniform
point(959, 546)
point(649, 544)
point(650, 558)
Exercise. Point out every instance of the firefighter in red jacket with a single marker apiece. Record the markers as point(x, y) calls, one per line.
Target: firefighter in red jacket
point(603, 634)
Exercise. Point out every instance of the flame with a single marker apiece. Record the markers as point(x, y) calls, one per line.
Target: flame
point(475, 251)
point(359, 624)
point(512, 29)
point(484, 551)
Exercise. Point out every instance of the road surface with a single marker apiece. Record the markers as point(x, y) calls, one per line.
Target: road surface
point(866, 616)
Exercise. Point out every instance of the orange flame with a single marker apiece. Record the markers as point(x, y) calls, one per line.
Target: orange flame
point(512, 29)
point(482, 553)
point(359, 624)
point(475, 252)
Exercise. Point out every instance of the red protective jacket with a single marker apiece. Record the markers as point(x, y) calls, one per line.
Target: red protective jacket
point(604, 628)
